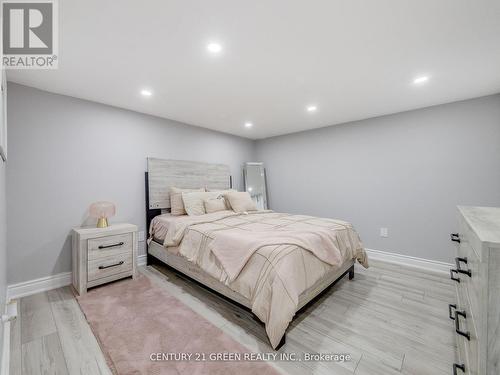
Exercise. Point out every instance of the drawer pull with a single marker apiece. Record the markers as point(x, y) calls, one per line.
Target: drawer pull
point(457, 324)
point(452, 271)
point(114, 245)
point(455, 237)
point(459, 270)
point(450, 307)
point(457, 366)
point(111, 265)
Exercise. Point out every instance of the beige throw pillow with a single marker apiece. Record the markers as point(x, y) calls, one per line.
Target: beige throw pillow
point(222, 193)
point(176, 203)
point(194, 202)
point(215, 205)
point(240, 201)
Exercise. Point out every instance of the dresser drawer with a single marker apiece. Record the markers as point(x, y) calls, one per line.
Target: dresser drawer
point(467, 347)
point(471, 287)
point(470, 283)
point(104, 267)
point(467, 236)
point(462, 355)
point(104, 247)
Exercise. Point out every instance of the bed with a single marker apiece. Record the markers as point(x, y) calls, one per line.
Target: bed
point(271, 263)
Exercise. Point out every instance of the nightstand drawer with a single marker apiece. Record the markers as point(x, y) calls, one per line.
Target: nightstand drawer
point(109, 246)
point(104, 267)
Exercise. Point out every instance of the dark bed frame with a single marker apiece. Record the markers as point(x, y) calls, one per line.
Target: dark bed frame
point(152, 260)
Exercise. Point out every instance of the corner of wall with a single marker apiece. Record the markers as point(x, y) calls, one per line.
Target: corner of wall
point(4, 327)
point(3, 268)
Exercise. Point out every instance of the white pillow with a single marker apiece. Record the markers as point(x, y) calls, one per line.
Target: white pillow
point(176, 203)
point(240, 201)
point(215, 204)
point(194, 202)
point(224, 192)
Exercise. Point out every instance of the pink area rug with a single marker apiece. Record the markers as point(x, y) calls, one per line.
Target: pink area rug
point(135, 319)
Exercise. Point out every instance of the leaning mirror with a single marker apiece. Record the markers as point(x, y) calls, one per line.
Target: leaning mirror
point(254, 176)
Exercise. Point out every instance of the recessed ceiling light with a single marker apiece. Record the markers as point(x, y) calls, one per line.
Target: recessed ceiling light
point(214, 47)
point(311, 108)
point(248, 124)
point(420, 80)
point(146, 92)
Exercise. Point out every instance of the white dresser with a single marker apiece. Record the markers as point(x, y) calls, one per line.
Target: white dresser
point(476, 312)
point(101, 255)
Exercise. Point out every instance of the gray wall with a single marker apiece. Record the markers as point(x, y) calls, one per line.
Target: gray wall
point(406, 172)
point(65, 153)
point(3, 250)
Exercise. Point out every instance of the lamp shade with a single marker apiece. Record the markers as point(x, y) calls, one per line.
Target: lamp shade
point(102, 209)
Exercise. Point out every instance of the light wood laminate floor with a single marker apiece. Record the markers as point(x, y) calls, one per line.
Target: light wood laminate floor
point(390, 319)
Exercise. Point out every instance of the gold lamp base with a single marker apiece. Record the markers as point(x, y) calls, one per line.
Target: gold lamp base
point(102, 222)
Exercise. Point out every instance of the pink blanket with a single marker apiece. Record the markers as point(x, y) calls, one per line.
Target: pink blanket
point(233, 248)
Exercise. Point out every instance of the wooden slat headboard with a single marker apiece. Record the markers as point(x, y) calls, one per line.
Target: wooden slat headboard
point(163, 174)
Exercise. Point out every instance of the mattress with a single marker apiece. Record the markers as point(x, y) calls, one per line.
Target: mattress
point(159, 228)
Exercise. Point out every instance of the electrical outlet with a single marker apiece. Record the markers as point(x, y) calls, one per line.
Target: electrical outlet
point(384, 232)
point(140, 236)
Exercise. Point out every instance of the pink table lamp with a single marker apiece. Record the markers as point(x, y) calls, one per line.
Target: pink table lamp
point(101, 211)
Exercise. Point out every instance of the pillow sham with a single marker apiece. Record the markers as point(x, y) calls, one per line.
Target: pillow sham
point(176, 202)
point(194, 201)
point(215, 204)
point(240, 201)
point(223, 192)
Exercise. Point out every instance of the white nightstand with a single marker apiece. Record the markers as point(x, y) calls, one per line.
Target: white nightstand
point(101, 255)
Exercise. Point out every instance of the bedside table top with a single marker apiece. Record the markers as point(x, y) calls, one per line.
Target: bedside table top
point(110, 230)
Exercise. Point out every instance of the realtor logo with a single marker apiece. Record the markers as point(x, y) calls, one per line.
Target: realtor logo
point(29, 34)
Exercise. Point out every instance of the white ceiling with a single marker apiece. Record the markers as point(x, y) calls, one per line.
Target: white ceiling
point(354, 59)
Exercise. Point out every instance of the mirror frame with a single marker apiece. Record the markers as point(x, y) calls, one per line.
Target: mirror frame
point(247, 164)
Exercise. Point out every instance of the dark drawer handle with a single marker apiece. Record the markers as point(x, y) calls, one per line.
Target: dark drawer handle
point(114, 245)
point(457, 366)
point(111, 265)
point(457, 324)
point(452, 271)
point(455, 237)
point(459, 270)
point(450, 307)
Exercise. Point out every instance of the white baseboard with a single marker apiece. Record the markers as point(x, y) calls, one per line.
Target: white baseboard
point(43, 284)
point(141, 260)
point(405, 260)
